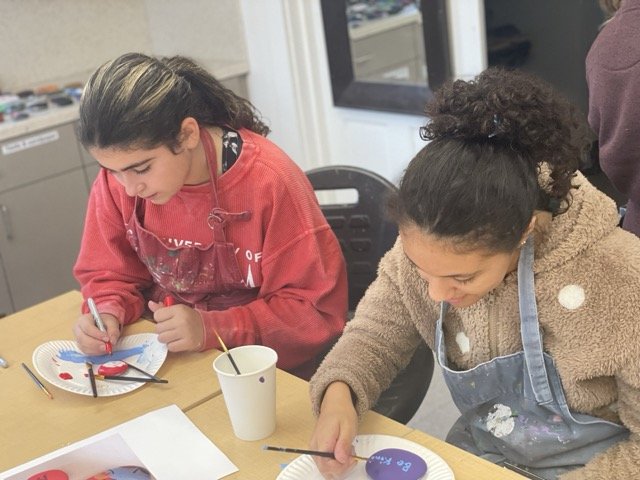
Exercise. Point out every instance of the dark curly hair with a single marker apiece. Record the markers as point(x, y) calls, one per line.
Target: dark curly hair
point(478, 179)
point(140, 101)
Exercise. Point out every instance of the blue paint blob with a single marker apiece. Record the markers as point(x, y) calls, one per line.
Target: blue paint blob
point(78, 357)
point(124, 473)
point(395, 464)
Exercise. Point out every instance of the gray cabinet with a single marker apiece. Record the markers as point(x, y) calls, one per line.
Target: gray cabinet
point(43, 197)
point(5, 299)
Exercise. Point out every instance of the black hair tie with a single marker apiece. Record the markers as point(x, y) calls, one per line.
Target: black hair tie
point(553, 205)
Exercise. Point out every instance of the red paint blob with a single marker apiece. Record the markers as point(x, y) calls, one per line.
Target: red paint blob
point(115, 367)
point(50, 475)
point(65, 376)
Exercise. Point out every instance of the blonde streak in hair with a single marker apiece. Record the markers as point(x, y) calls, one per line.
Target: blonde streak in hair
point(150, 102)
point(125, 90)
point(97, 79)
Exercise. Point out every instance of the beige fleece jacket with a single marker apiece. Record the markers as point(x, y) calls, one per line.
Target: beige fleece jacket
point(587, 274)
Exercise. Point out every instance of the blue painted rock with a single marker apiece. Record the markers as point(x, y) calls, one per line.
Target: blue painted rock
point(123, 473)
point(50, 475)
point(395, 464)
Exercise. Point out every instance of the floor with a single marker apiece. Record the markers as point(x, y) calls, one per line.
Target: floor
point(437, 413)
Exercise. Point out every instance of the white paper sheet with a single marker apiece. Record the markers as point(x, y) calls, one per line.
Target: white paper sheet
point(165, 440)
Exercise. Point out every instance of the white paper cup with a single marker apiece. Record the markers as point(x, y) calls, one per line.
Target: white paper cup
point(251, 396)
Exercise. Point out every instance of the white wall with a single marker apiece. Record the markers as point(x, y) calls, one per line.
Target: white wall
point(289, 82)
point(58, 41)
point(210, 32)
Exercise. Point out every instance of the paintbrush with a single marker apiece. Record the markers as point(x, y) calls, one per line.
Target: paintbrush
point(37, 381)
point(131, 379)
point(226, 350)
point(92, 379)
point(138, 369)
point(99, 323)
point(301, 451)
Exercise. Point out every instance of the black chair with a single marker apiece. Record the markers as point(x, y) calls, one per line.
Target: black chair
point(365, 235)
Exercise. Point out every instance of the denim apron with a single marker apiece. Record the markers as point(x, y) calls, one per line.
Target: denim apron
point(513, 407)
point(206, 277)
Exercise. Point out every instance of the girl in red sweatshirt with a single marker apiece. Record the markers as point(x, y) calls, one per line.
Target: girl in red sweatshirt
point(194, 203)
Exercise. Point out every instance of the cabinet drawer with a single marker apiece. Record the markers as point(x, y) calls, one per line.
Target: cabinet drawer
point(38, 155)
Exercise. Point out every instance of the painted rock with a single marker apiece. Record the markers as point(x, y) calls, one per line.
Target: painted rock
point(50, 475)
point(395, 464)
point(123, 473)
point(112, 368)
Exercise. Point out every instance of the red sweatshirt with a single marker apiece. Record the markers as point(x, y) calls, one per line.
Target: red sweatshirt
point(286, 250)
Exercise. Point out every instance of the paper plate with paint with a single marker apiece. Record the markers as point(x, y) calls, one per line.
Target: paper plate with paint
point(61, 363)
point(389, 457)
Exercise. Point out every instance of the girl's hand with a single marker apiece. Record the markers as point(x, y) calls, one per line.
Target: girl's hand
point(178, 326)
point(89, 337)
point(335, 431)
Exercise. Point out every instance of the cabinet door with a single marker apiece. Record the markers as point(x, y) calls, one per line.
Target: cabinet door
point(40, 236)
point(6, 305)
point(37, 155)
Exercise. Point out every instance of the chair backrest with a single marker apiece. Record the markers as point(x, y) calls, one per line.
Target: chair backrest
point(364, 232)
point(365, 235)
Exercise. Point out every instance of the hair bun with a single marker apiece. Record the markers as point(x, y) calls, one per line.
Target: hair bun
point(505, 106)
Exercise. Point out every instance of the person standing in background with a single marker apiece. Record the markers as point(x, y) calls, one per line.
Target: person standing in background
point(613, 78)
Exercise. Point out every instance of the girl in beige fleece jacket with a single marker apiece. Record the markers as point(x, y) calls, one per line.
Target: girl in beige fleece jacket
point(539, 350)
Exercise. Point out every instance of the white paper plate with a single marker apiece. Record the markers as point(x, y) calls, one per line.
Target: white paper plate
point(304, 468)
point(146, 352)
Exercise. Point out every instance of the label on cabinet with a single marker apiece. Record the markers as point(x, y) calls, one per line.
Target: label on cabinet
point(30, 142)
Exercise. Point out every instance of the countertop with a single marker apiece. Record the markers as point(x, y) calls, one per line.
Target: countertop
point(374, 27)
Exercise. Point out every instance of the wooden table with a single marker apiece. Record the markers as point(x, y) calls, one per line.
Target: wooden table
point(295, 423)
point(31, 424)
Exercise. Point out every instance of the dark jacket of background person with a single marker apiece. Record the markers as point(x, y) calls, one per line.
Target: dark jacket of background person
point(613, 77)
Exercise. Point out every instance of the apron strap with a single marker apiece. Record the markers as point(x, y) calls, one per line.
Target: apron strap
point(218, 217)
point(530, 327)
point(440, 353)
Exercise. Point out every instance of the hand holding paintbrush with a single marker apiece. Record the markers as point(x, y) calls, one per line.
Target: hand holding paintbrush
point(99, 323)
